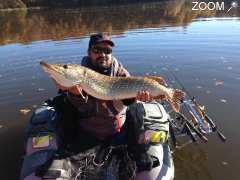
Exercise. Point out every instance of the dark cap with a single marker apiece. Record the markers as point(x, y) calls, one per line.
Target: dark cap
point(100, 38)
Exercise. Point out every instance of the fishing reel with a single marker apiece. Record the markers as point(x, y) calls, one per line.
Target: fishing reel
point(194, 122)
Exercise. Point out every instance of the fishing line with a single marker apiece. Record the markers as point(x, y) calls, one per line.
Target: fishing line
point(178, 82)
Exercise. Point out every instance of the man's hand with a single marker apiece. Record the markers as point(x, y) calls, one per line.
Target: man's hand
point(144, 96)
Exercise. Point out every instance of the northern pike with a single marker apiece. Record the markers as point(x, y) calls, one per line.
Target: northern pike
point(111, 88)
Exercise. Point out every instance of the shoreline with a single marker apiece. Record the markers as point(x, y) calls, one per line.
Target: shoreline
point(72, 6)
point(23, 9)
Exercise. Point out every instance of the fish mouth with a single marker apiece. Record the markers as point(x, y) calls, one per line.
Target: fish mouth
point(56, 73)
point(46, 65)
point(51, 68)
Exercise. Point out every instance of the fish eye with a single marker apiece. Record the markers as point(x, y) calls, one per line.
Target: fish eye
point(65, 66)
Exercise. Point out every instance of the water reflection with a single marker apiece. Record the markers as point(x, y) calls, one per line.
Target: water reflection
point(26, 26)
point(193, 165)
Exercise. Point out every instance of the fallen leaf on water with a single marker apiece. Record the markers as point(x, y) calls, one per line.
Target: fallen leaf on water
point(223, 100)
point(229, 68)
point(20, 94)
point(34, 106)
point(218, 83)
point(25, 111)
point(224, 163)
point(208, 92)
point(41, 89)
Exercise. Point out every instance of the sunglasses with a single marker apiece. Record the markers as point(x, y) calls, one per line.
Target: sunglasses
point(98, 50)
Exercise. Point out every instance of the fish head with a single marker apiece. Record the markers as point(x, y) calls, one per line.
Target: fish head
point(66, 75)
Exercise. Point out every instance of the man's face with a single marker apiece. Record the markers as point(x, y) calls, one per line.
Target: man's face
point(101, 55)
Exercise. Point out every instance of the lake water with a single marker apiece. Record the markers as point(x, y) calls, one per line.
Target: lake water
point(202, 48)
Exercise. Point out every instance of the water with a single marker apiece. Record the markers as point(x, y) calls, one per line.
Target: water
point(201, 48)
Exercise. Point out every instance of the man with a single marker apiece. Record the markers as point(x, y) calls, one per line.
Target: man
point(99, 120)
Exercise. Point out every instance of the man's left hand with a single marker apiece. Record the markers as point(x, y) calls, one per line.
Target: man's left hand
point(144, 96)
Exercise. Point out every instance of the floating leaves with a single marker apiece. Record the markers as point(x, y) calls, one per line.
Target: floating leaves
point(20, 94)
point(41, 89)
point(25, 111)
point(208, 92)
point(219, 83)
point(223, 100)
point(34, 106)
point(224, 163)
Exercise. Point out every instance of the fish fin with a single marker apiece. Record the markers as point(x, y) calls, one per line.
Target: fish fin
point(175, 99)
point(159, 79)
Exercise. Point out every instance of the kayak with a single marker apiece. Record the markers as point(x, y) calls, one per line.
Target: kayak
point(42, 159)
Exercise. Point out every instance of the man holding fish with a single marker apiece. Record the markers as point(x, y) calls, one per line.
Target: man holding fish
point(100, 98)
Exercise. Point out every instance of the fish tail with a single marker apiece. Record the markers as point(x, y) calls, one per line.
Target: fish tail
point(176, 96)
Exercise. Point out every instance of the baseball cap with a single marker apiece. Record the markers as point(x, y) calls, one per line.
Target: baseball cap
point(100, 38)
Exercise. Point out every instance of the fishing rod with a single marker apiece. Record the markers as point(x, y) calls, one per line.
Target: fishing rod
point(198, 114)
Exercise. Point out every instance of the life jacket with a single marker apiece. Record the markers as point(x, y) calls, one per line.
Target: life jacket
point(142, 117)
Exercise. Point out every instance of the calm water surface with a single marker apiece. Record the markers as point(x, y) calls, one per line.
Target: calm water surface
point(201, 48)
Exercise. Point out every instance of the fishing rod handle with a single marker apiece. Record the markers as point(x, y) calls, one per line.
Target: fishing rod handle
point(210, 121)
point(172, 134)
point(189, 132)
point(214, 128)
point(221, 136)
point(202, 137)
